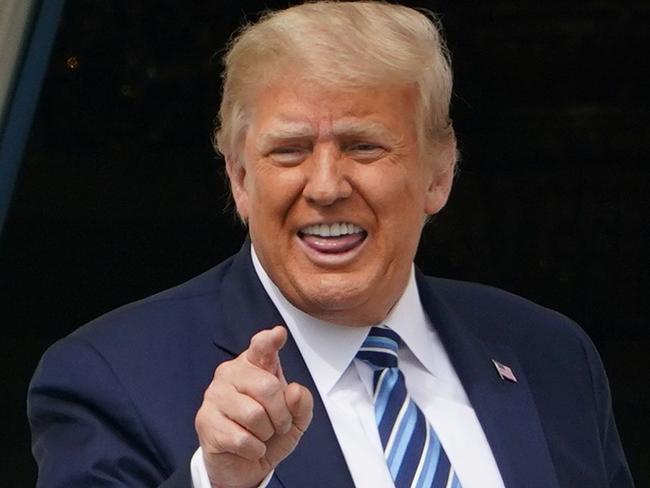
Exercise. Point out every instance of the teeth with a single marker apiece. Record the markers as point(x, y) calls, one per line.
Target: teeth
point(332, 230)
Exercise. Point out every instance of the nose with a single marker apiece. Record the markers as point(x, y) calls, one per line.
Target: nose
point(327, 179)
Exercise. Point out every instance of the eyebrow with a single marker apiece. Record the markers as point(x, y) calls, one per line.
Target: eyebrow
point(285, 131)
point(362, 129)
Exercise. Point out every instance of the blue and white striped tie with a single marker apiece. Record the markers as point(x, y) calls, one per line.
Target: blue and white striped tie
point(415, 457)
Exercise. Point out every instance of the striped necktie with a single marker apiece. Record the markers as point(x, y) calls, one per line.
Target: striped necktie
point(413, 452)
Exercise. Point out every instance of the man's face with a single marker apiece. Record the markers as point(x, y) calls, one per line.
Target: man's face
point(335, 189)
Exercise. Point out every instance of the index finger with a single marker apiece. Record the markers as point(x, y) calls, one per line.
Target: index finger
point(264, 348)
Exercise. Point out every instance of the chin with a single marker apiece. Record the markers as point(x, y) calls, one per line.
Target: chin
point(344, 305)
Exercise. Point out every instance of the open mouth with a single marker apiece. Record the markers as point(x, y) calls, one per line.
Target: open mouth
point(336, 238)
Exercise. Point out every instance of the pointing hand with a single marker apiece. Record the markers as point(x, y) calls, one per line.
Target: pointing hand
point(251, 419)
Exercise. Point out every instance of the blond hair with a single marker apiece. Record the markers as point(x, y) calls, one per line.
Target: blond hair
point(347, 44)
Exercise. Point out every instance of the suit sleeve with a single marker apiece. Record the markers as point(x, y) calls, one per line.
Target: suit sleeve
point(85, 429)
point(618, 472)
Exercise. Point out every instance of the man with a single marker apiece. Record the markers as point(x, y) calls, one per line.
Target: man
point(318, 356)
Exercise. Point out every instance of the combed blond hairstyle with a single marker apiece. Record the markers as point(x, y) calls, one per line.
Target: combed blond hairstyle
point(342, 44)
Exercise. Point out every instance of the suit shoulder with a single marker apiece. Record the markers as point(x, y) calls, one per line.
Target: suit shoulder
point(500, 314)
point(170, 313)
point(153, 349)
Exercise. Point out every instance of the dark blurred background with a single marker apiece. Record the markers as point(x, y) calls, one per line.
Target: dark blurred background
point(120, 194)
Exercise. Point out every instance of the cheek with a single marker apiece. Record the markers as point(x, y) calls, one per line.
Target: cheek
point(397, 195)
point(275, 190)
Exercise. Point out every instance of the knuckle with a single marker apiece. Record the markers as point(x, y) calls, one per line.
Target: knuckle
point(223, 369)
point(241, 441)
point(212, 394)
point(254, 414)
point(199, 421)
point(203, 421)
point(268, 386)
point(208, 393)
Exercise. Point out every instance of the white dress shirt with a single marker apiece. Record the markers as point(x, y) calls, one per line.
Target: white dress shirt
point(345, 387)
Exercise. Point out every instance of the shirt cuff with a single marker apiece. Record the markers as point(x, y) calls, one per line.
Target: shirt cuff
point(200, 473)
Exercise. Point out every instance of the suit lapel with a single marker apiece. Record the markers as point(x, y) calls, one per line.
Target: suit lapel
point(244, 308)
point(506, 410)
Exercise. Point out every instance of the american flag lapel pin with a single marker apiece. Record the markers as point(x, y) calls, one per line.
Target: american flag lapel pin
point(505, 373)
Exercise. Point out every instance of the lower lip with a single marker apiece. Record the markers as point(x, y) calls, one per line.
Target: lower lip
point(333, 251)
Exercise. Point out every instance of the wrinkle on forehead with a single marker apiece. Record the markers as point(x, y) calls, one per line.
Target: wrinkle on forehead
point(299, 111)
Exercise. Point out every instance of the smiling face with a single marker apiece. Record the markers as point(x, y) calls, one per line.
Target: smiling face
point(335, 189)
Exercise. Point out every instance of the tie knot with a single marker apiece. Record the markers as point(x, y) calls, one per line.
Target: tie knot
point(380, 348)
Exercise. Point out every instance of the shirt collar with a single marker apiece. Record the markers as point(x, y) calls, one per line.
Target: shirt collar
point(328, 349)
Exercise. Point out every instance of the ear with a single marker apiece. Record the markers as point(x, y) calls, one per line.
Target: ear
point(442, 178)
point(237, 176)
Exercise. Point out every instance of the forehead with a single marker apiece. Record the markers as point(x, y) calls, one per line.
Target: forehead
point(295, 107)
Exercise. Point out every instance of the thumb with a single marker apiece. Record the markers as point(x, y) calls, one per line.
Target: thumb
point(301, 405)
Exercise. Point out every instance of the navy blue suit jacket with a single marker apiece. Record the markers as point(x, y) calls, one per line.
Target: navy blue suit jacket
point(113, 404)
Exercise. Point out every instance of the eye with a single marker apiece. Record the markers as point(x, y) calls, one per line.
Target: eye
point(365, 150)
point(288, 155)
point(364, 147)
